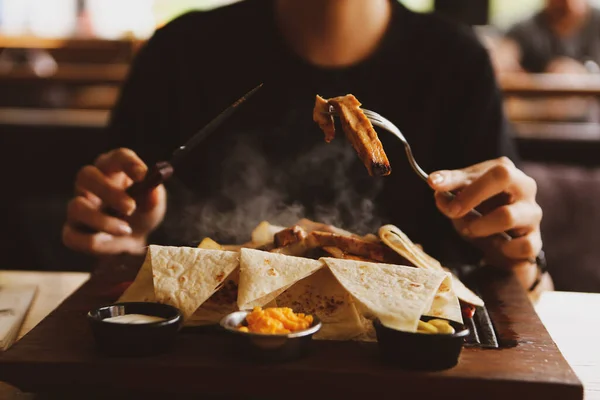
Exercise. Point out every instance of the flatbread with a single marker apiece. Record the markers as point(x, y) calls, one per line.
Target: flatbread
point(397, 240)
point(464, 293)
point(221, 303)
point(401, 244)
point(445, 302)
point(185, 277)
point(142, 288)
point(322, 295)
point(397, 295)
point(264, 276)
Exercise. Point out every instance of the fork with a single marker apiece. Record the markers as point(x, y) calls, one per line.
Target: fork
point(384, 123)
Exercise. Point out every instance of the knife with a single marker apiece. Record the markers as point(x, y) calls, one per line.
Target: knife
point(163, 170)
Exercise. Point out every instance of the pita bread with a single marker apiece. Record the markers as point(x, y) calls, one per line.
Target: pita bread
point(397, 295)
point(322, 295)
point(401, 244)
point(264, 276)
point(185, 277)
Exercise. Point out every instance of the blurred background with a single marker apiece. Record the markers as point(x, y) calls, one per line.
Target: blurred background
point(62, 63)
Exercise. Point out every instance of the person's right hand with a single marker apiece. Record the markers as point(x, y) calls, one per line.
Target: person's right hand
point(101, 186)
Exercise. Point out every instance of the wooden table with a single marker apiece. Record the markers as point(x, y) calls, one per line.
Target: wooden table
point(53, 289)
point(559, 311)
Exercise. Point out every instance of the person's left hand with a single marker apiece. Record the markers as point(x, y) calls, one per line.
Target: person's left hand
point(506, 198)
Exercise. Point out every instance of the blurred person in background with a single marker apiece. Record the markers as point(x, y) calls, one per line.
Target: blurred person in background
point(564, 37)
point(430, 77)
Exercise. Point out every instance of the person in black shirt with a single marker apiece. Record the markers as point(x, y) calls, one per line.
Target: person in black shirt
point(270, 162)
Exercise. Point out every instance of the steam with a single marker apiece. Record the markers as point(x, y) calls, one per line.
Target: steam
point(254, 189)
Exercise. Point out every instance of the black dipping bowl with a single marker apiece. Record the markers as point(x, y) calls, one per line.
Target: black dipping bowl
point(135, 339)
point(420, 351)
point(268, 347)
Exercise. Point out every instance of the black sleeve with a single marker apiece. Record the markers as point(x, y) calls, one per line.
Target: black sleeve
point(476, 131)
point(144, 115)
point(479, 130)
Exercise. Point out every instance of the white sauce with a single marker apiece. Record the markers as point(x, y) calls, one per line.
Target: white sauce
point(134, 319)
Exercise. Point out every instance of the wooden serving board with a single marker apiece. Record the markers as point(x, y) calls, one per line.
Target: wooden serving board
point(59, 355)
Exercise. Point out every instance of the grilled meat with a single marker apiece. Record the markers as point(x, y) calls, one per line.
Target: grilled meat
point(353, 247)
point(358, 129)
point(289, 236)
point(339, 253)
point(357, 247)
point(322, 117)
point(311, 226)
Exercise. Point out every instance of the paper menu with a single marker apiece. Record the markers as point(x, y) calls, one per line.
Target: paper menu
point(15, 301)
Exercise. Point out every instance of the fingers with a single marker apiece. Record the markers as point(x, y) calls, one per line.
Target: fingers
point(122, 160)
point(523, 248)
point(506, 218)
point(81, 211)
point(479, 186)
point(91, 179)
point(98, 243)
point(154, 199)
point(447, 181)
point(496, 180)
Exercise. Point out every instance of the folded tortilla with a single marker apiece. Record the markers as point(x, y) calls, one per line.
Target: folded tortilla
point(401, 244)
point(142, 288)
point(322, 295)
point(221, 303)
point(185, 277)
point(397, 295)
point(264, 276)
point(445, 302)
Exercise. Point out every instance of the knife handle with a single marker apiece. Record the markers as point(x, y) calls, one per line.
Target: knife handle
point(156, 175)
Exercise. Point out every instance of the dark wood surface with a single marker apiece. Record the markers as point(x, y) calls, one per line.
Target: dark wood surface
point(59, 355)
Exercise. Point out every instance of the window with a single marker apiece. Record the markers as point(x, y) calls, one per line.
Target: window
point(166, 10)
point(505, 13)
point(418, 5)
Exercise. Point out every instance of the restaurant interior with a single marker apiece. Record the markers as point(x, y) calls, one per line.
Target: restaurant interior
point(63, 62)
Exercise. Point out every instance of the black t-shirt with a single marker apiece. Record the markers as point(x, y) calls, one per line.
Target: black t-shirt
point(540, 45)
point(270, 162)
